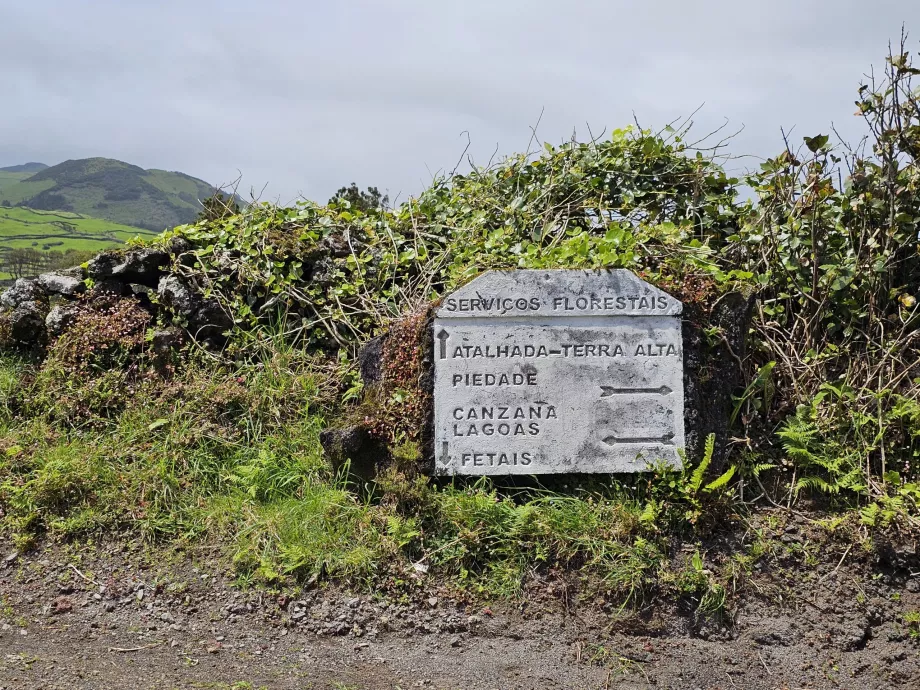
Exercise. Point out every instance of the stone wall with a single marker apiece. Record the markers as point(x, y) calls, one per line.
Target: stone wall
point(34, 311)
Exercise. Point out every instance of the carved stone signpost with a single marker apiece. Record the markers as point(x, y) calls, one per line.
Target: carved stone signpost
point(547, 371)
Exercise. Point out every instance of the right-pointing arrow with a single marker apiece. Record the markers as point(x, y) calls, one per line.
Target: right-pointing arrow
point(666, 439)
point(607, 391)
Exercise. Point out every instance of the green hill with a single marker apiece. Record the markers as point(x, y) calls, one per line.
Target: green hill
point(29, 168)
point(108, 189)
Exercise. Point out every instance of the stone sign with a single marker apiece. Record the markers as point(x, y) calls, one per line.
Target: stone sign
point(548, 371)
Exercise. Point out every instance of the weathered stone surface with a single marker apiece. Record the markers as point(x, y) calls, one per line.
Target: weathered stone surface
point(60, 318)
point(178, 245)
point(370, 360)
point(557, 371)
point(61, 283)
point(143, 266)
point(353, 444)
point(713, 372)
point(23, 290)
point(166, 341)
point(110, 286)
point(27, 325)
point(335, 245)
point(177, 295)
point(204, 317)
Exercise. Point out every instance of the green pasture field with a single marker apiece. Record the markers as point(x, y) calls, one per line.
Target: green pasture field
point(25, 228)
point(15, 187)
point(10, 178)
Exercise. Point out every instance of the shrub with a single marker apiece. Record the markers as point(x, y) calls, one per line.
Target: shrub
point(338, 273)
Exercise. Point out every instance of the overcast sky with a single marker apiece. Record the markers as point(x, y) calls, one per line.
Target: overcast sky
point(306, 96)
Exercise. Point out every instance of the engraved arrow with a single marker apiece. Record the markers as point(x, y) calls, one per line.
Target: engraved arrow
point(610, 390)
point(443, 336)
point(667, 439)
point(445, 458)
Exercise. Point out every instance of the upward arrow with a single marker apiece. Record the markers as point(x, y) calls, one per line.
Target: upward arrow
point(443, 336)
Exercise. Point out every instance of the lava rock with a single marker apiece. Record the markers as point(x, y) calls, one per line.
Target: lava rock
point(111, 286)
point(324, 272)
point(166, 341)
point(23, 290)
point(143, 266)
point(139, 290)
point(335, 245)
point(60, 318)
point(178, 245)
point(27, 325)
point(204, 317)
point(355, 444)
point(370, 360)
point(176, 294)
point(61, 283)
point(101, 266)
point(712, 371)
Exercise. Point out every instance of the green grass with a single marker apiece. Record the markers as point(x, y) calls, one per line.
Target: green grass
point(17, 191)
point(27, 221)
point(24, 228)
point(10, 178)
point(231, 452)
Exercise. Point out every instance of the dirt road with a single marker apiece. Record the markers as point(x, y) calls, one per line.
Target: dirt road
point(116, 618)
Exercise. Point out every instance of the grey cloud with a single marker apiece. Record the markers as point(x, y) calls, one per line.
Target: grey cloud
point(307, 96)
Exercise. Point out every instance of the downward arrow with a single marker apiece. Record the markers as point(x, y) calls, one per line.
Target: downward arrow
point(666, 440)
point(607, 391)
point(443, 336)
point(445, 458)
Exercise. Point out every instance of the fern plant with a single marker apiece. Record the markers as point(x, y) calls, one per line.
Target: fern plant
point(824, 458)
point(686, 488)
point(695, 484)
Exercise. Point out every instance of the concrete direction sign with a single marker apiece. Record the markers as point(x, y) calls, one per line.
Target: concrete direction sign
point(549, 371)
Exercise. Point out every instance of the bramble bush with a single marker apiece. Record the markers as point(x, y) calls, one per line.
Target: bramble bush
point(833, 242)
point(338, 274)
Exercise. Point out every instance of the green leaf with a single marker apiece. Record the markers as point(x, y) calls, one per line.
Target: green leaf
point(816, 143)
point(721, 481)
point(696, 479)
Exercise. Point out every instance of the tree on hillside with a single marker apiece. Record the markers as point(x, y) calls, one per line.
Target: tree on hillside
point(362, 201)
point(5, 203)
point(23, 263)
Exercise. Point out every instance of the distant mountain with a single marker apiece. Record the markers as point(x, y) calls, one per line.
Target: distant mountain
point(25, 168)
point(112, 190)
